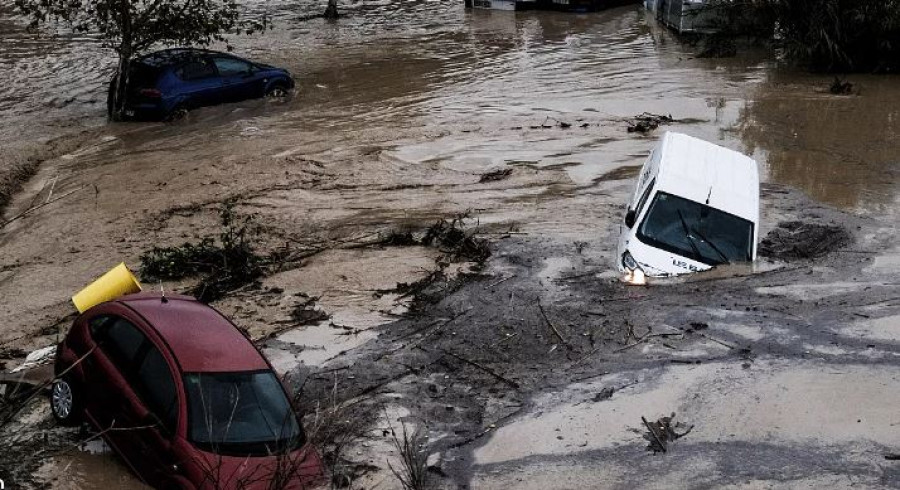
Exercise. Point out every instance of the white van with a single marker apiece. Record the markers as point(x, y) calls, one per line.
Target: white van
point(696, 206)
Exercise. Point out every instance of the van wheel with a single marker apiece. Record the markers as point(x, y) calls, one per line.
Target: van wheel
point(277, 91)
point(65, 402)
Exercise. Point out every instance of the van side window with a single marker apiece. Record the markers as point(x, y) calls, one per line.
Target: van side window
point(156, 387)
point(643, 201)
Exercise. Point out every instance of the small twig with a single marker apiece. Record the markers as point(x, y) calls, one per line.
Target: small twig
point(483, 368)
point(52, 186)
point(552, 326)
point(637, 342)
point(647, 336)
point(495, 344)
point(584, 357)
point(501, 281)
point(39, 206)
point(653, 432)
point(726, 344)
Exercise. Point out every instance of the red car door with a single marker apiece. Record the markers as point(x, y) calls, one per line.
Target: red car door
point(113, 403)
point(110, 400)
point(157, 389)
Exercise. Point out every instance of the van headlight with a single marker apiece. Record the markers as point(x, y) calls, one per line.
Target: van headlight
point(633, 272)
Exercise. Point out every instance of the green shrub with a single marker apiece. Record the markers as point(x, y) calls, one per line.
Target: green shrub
point(224, 265)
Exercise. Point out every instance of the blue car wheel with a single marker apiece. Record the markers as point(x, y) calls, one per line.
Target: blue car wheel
point(278, 90)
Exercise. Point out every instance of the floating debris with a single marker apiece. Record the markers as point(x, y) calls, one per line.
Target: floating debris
point(307, 312)
point(662, 432)
point(495, 175)
point(840, 87)
point(796, 240)
point(646, 122)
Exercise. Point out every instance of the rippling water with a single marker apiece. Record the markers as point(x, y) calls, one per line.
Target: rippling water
point(463, 88)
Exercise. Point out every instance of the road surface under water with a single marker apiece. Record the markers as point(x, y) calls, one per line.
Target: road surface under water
point(406, 104)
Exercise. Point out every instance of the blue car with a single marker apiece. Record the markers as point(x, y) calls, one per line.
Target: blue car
point(166, 84)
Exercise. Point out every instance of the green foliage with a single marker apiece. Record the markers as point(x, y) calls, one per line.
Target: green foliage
point(225, 266)
point(133, 26)
point(829, 35)
point(840, 35)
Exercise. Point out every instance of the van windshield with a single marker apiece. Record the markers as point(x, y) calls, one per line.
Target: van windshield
point(696, 231)
point(243, 413)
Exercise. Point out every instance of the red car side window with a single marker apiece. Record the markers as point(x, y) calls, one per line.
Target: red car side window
point(96, 325)
point(156, 387)
point(122, 341)
point(141, 363)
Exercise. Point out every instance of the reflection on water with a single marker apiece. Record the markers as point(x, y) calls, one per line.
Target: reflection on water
point(840, 149)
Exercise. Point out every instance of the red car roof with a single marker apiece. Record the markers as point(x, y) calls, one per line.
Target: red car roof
point(201, 339)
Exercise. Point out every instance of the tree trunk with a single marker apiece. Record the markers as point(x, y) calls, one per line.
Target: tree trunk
point(331, 11)
point(120, 90)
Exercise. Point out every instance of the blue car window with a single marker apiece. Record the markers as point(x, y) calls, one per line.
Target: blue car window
point(231, 66)
point(195, 70)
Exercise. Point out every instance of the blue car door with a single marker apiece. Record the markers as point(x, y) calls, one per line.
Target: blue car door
point(200, 84)
point(239, 78)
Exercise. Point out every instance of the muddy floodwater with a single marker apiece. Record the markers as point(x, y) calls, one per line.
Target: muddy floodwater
point(447, 86)
point(401, 107)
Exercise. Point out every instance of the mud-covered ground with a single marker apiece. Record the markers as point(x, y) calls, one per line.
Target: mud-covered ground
point(783, 372)
point(534, 370)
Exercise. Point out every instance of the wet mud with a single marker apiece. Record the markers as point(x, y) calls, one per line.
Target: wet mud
point(794, 240)
point(511, 371)
point(534, 370)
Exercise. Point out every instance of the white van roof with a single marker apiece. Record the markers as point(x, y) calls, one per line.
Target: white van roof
point(697, 170)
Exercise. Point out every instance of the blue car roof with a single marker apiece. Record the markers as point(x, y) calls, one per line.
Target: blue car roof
point(169, 57)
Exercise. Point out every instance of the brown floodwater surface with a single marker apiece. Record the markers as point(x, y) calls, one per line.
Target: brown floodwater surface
point(465, 78)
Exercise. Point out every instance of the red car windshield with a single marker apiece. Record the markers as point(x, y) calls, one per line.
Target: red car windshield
point(244, 413)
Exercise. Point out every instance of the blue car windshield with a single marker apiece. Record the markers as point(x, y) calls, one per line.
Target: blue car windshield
point(696, 231)
point(240, 413)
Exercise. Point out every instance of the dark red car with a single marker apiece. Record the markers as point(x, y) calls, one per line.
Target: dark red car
point(182, 396)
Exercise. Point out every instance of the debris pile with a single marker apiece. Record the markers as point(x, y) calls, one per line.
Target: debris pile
point(495, 175)
point(647, 122)
point(840, 87)
point(457, 243)
point(556, 123)
point(450, 236)
point(307, 312)
point(662, 432)
point(796, 240)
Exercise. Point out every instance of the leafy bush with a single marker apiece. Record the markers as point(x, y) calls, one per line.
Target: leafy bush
point(830, 35)
point(844, 35)
point(225, 266)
